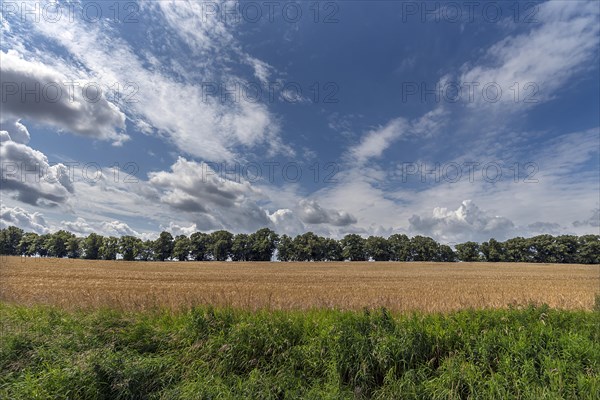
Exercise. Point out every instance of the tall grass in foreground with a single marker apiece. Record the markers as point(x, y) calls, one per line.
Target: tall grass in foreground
point(205, 353)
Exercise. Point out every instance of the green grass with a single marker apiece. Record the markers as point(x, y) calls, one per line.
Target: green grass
point(205, 353)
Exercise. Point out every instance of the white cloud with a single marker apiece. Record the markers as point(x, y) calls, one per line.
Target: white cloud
point(197, 189)
point(593, 220)
point(171, 105)
point(552, 228)
point(27, 174)
point(79, 226)
point(16, 131)
point(376, 141)
point(110, 227)
point(56, 101)
point(468, 222)
point(286, 222)
point(431, 123)
point(177, 230)
point(118, 228)
point(261, 69)
point(553, 51)
point(168, 104)
point(16, 216)
point(311, 212)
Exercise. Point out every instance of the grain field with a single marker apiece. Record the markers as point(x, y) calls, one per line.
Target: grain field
point(397, 286)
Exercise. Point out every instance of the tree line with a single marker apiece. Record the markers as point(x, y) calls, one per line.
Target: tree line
point(263, 244)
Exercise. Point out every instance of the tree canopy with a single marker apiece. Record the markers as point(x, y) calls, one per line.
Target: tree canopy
point(265, 244)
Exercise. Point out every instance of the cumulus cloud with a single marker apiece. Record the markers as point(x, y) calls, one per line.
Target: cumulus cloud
point(593, 220)
point(198, 182)
point(79, 226)
point(285, 221)
point(118, 228)
point(197, 189)
point(177, 230)
point(27, 174)
point(311, 212)
point(16, 131)
point(545, 227)
point(83, 227)
point(56, 100)
point(16, 216)
point(468, 222)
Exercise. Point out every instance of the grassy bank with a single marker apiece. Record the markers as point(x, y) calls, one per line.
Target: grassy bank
point(204, 353)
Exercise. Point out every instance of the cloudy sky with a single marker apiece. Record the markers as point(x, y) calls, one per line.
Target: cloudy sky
point(461, 122)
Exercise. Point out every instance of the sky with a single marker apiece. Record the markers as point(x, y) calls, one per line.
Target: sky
point(455, 120)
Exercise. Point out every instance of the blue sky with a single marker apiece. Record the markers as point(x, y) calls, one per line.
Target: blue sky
point(454, 121)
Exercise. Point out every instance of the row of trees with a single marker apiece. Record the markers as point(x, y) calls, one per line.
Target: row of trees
point(539, 249)
point(353, 247)
point(219, 246)
point(263, 244)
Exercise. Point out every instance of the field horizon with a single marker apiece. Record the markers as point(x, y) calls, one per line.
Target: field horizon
point(397, 286)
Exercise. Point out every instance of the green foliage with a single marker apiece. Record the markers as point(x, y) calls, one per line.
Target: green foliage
point(163, 246)
point(27, 244)
point(264, 243)
point(527, 353)
point(91, 246)
point(353, 248)
point(221, 243)
point(10, 238)
point(492, 251)
point(468, 251)
point(307, 247)
point(181, 248)
point(146, 252)
point(518, 250)
point(377, 248)
point(589, 249)
point(423, 249)
point(240, 247)
point(74, 247)
point(109, 248)
point(200, 246)
point(285, 249)
point(332, 249)
point(57, 244)
point(399, 247)
point(130, 247)
point(258, 246)
point(41, 247)
point(446, 254)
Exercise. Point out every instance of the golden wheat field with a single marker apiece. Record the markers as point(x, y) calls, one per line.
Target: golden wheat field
point(263, 285)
